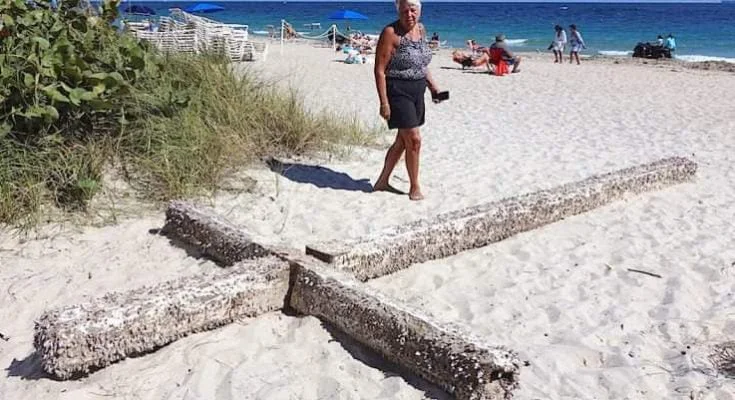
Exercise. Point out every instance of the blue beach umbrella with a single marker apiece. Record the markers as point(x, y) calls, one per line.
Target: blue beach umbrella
point(347, 15)
point(203, 8)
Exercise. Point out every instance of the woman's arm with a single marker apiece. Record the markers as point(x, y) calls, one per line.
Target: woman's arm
point(578, 36)
point(433, 88)
point(383, 54)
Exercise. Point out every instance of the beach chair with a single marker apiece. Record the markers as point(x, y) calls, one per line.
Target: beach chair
point(260, 50)
point(233, 46)
point(498, 62)
point(178, 41)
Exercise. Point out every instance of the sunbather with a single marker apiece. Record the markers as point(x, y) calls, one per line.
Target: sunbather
point(471, 60)
point(484, 57)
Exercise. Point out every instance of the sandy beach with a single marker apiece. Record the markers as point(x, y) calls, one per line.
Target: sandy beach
point(562, 296)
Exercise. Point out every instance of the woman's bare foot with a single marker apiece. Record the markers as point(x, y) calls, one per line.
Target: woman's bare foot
point(415, 195)
point(378, 187)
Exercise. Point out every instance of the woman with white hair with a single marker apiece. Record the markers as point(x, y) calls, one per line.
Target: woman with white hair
point(401, 76)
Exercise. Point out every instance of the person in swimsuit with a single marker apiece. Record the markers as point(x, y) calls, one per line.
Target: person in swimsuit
point(401, 78)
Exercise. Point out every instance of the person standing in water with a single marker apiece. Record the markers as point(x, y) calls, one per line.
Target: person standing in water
point(401, 78)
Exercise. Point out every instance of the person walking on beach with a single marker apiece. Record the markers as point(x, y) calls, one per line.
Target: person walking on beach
point(577, 43)
point(560, 40)
point(401, 78)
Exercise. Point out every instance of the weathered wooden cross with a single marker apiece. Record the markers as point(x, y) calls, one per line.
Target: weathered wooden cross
point(327, 282)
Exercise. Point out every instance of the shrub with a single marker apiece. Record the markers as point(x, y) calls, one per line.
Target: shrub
point(64, 72)
point(77, 97)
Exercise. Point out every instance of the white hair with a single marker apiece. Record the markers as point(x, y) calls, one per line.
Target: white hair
point(416, 3)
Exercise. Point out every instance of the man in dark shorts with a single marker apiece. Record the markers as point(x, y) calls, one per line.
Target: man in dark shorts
point(508, 56)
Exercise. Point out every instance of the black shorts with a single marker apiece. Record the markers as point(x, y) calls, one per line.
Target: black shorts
point(406, 99)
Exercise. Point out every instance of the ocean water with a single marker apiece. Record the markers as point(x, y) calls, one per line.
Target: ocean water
point(702, 31)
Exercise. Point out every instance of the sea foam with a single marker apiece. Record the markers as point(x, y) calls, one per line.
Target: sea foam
point(698, 58)
point(614, 53)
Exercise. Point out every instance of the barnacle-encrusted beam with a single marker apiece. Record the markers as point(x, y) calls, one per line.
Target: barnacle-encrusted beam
point(473, 227)
point(75, 340)
point(210, 233)
point(446, 355)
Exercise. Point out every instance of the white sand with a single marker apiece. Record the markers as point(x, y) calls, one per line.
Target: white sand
point(560, 295)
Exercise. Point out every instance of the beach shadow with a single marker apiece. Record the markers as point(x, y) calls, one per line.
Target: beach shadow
point(476, 70)
point(346, 63)
point(318, 176)
point(389, 369)
point(28, 368)
point(192, 250)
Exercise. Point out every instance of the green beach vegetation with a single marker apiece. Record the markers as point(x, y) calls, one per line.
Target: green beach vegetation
point(79, 99)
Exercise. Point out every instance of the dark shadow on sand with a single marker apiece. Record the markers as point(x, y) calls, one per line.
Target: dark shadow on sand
point(389, 369)
point(346, 63)
point(318, 176)
point(475, 70)
point(28, 368)
point(190, 249)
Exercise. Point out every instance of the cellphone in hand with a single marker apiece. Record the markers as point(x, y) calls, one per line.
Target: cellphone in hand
point(441, 96)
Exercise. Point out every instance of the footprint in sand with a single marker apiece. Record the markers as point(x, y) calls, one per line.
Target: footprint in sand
point(553, 313)
point(438, 281)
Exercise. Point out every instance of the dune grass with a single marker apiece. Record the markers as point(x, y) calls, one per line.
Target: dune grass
point(231, 121)
point(181, 135)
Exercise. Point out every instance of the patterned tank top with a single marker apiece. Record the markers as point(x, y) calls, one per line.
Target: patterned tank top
point(411, 59)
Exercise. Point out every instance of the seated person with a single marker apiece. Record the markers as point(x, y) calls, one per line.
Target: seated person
point(485, 58)
point(355, 56)
point(434, 42)
point(659, 41)
point(508, 56)
point(289, 31)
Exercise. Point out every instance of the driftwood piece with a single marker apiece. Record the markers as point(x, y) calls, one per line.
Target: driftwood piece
point(473, 227)
point(75, 340)
point(443, 354)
